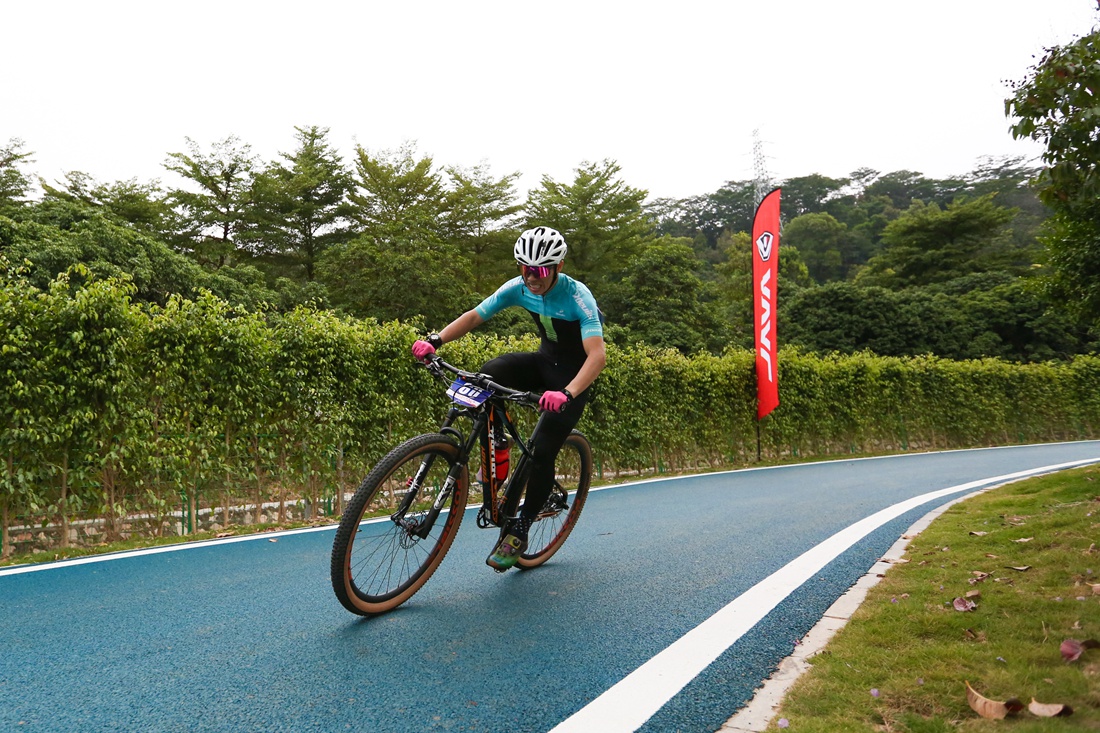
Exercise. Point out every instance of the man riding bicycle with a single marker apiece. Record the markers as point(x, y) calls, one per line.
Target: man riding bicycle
point(569, 359)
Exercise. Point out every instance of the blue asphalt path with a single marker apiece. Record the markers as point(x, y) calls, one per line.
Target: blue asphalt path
point(247, 636)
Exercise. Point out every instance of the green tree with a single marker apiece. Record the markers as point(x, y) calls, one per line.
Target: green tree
point(398, 197)
point(84, 384)
point(729, 209)
point(846, 318)
point(75, 233)
point(976, 316)
point(14, 183)
point(822, 240)
point(24, 392)
point(1009, 178)
point(808, 194)
point(600, 215)
point(735, 288)
point(479, 217)
point(401, 265)
point(1014, 319)
point(662, 302)
point(300, 205)
point(928, 244)
point(1056, 105)
point(904, 187)
point(212, 212)
point(143, 206)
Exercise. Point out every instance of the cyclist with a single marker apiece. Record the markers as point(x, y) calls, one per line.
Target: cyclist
point(569, 359)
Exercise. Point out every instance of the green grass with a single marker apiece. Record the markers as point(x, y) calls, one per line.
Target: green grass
point(908, 643)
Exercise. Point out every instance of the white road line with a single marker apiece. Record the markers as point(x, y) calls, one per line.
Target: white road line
point(628, 704)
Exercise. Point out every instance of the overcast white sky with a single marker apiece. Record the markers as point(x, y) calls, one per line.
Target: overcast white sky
point(671, 90)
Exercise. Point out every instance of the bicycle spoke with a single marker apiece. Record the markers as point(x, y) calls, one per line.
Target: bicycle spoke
point(377, 564)
point(572, 473)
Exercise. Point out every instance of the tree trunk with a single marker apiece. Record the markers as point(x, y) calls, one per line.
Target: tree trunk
point(338, 507)
point(228, 474)
point(193, 505)
point(259, 480)
point(62, 505)
point(109, 486)
point(6, 548)
point(312, 484)
point(282, 485)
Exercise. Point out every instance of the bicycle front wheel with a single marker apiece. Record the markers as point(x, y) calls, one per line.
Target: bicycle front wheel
point(572, 477)
point(387, 544)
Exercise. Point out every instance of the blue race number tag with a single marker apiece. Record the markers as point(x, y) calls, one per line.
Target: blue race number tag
point(469, 395)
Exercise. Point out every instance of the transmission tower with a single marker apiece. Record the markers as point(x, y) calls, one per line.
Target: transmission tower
point(761, 182)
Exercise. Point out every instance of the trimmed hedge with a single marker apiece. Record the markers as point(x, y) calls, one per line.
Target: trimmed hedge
point(109, 409)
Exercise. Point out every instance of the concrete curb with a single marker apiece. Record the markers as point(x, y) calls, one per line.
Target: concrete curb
point(758, 714)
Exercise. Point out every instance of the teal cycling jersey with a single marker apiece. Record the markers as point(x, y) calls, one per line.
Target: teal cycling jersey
point(565, 316)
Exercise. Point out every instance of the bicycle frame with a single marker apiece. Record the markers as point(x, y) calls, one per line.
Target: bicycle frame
point(502, 500)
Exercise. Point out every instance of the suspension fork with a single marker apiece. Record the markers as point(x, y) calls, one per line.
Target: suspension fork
point(424, 526)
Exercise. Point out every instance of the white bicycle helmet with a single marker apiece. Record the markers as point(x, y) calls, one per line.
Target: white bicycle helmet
point(540, 247)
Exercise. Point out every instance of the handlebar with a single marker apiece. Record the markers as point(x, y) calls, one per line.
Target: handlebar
point(437, 366)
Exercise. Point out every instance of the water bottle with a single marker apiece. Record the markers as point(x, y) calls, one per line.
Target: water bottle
point(502, 452)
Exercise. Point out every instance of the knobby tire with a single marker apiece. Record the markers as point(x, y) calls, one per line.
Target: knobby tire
point(377, 563)
point(573, 476)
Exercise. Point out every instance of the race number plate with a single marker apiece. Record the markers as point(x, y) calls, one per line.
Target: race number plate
point(467, 394)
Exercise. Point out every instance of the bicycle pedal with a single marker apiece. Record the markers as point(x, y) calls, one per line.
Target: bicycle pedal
point(483, 520)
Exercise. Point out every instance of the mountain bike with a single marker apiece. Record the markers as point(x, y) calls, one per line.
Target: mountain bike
point(403, 518)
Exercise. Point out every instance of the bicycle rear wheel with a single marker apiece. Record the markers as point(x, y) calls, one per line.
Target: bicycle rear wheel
point(572, 477)
point(383, 552)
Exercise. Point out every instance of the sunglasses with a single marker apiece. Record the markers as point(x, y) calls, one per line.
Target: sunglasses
point(536, 271)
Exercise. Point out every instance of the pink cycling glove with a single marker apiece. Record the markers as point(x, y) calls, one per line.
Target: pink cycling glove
point(422, 350)
point(553, 401)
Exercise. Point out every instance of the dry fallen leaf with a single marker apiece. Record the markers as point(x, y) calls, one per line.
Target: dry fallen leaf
point(961, 604)
point(978, 534)
point(991, 709)
point(1024, 539)
point(1049, 710)
point(1072, 649)
point(1021, 568)
point(973, 594)
point(979, 575)
point(991, 555)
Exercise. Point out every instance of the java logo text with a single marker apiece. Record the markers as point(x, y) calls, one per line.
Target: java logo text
point(766, 308)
